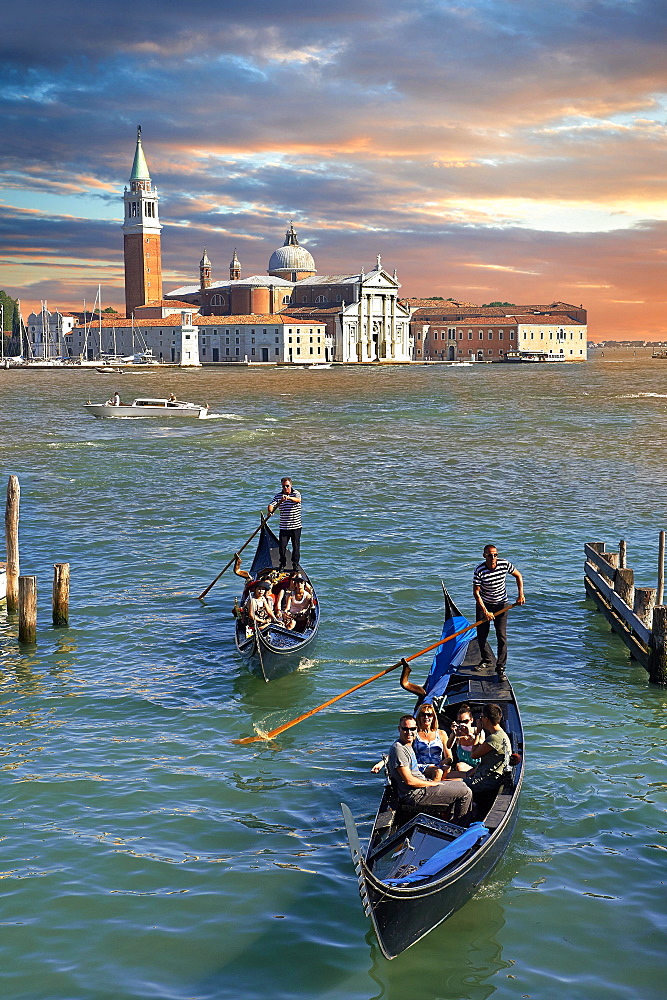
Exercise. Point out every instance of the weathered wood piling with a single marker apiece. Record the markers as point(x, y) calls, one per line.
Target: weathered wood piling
point(60, 595)
point(22, 590)
point(28, 610)
point(12, 541)
point(636, 614)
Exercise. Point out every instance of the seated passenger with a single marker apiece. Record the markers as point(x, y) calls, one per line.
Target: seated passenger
point(452, 799)
point(430, 746)
point(286, 587)
point(297, 606)
point(260, 607)
point(269, 575)
point(463, 737)
point(493, 755)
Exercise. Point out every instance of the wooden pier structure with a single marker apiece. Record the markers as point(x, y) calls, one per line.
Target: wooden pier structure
point(636, 614)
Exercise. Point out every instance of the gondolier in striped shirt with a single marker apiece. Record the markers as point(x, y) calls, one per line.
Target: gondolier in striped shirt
point(290, 521)
point(489, 589)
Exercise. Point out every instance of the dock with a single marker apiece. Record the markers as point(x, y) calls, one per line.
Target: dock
point(636, 614)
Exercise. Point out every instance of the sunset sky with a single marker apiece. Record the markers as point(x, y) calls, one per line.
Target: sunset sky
point(487, 149)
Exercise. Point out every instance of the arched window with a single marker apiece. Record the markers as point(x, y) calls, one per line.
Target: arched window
point(287, 299)
point(320, 298)
point(218, 300)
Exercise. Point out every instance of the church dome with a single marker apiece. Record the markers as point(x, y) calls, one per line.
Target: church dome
point(290, 256)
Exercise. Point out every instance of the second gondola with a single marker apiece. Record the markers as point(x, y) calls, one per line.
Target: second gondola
point(275, 649)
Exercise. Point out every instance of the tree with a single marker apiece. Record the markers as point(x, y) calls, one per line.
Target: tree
point(110, 309)
point(485, 305)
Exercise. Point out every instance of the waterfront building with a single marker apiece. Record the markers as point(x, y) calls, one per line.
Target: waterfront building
point(188, 339)
point(456, 332)
point(46, 334)
point(141, 236)
point(365, 321)
point(173, 338)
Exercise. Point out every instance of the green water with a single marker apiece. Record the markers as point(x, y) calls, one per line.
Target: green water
point(145, 856)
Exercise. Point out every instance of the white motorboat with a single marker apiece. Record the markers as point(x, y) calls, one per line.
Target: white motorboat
point(146, 407)
point(317, 367)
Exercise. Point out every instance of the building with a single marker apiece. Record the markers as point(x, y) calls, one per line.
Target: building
point(364, 319)
point(141, 236)
point(185, 338)
point(456, 332)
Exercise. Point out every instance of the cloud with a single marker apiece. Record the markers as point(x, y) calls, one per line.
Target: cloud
point(525, 140)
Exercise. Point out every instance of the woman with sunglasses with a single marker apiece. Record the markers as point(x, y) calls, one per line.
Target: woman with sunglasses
point(463, 737)
point(430, 745)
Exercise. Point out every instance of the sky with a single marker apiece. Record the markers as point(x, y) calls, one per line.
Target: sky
point(488, 150)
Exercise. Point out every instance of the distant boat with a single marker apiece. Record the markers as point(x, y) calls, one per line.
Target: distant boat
point(530, 357)
point(315, 367)
point(161, 408)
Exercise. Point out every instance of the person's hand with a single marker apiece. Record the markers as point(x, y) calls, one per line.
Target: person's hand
point(376, 768)
point(521, 599)
point(487, 614)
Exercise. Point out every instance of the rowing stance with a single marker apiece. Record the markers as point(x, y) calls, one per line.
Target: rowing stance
point(490, 592)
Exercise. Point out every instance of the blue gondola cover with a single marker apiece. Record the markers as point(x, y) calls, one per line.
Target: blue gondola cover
point(446, 856)
point(451, 655)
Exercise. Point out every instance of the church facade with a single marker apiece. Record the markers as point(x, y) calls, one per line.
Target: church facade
point(362, 314)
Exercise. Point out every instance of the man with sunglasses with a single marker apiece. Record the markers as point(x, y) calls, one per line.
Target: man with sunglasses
point(490, 592)
point(452, 798)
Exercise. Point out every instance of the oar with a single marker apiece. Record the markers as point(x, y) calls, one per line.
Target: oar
point(259, 650)
point(369, 680)
point(238, 551)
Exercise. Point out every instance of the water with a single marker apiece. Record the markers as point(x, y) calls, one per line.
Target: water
point(145, 856)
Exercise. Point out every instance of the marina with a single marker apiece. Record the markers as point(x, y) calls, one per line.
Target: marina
point(147, 855)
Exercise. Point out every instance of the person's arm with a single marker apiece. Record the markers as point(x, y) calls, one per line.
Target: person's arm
point(447, 754)
point(409, 779)
point(519, 583)
point(270, 608)
point(479, 749)
point(477, 592)
point(408, 685)
point(237, 568)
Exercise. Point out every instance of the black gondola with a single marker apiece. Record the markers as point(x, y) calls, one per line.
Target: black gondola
point(419, 869)
point(275, 649)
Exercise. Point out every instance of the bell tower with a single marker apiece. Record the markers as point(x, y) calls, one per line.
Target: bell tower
point(235, 268)
point(204, 271)
point(141, 236)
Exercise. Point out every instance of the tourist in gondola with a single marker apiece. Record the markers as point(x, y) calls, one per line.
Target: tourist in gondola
point(430, 745)
point(490, 592)
point(289, 503)
point(260, 606)
point(296, 609)
point(463, 737)
point(492, 757)
point(414, 790)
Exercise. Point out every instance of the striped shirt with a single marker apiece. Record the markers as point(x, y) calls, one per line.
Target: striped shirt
point(492, 581)
point(290, 513)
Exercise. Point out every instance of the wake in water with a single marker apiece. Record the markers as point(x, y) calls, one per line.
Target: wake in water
point(222, 416)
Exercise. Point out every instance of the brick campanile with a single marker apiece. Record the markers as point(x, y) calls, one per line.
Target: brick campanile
point(141, 235)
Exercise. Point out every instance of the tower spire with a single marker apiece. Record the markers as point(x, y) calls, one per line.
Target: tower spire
point(235, 268)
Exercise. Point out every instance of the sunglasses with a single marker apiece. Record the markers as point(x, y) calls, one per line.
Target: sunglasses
point(409, 729)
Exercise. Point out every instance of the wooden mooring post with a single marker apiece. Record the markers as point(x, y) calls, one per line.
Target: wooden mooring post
point(28, 610)
point(636, 614)
point(12, 541)
point(60, 595)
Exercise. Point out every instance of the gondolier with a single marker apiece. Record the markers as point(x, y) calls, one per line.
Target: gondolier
point(290, 521)
point(490, 592)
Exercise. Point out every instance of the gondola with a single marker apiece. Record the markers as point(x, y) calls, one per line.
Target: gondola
point(274, 650)
point(419, 869)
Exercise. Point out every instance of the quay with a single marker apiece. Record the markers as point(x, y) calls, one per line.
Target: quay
point(636, 614)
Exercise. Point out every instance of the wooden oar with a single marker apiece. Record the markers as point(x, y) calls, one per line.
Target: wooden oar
point(369, 680)
point(233, 559)
point(259, 650)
